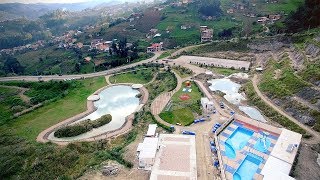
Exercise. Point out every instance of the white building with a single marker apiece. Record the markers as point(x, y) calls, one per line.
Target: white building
point(207, 105)
point(151, 130)
point(147, 152)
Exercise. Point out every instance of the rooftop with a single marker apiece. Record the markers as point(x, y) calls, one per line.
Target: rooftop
point(176, 158)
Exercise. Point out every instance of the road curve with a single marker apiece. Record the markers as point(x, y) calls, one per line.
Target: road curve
point(316, 137)
point(79, 76)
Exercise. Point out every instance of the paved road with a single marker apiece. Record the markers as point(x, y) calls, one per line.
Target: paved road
point(316, 136)
point(78, 76)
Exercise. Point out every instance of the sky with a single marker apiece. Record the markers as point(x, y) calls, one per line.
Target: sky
point(42, 1)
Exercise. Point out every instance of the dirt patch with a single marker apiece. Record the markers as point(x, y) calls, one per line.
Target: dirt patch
point(184, 97)
point(307, 167)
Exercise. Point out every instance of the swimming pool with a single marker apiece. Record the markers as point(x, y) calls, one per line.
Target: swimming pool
point(230, 152)
point(248, 167)
point(119, 101)
point(262, 145)
point(239, 138)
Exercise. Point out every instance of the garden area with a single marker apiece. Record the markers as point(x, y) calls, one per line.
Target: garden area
point(184, 105)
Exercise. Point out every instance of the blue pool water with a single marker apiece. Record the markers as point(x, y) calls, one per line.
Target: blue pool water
point(262, 145)
point(248, 167)
point(230, 153)
point(239, 138)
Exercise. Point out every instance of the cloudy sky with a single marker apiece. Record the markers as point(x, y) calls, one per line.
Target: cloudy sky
point(41, 1)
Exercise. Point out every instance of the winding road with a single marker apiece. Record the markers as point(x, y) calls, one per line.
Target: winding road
point(316, 137)
point(79, 76)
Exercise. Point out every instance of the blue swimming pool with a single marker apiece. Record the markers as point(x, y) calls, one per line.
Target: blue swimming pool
point(239, 138)
point(248, 167)
point(262, 145)
point(230, 152)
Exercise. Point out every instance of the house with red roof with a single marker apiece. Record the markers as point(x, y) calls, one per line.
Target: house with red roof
point(155, 47)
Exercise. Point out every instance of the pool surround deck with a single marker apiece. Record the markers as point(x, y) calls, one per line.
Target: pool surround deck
point(275, 136)
point(43, 136)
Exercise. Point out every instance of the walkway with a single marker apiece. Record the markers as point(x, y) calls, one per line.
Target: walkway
point(316, 137)
point(22, 90)
point(162, 100)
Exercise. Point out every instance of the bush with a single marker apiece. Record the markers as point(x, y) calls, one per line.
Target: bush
point(82, 127)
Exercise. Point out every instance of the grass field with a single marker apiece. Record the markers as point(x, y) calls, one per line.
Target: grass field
point(183, 111)
point(138, 77)
point(223, 71)
point(31, 124)
point(10, 103)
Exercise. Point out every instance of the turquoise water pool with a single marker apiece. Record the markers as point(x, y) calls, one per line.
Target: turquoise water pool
point(230, 153)
point(239, 138)
point(262, 145)
point(248, 167)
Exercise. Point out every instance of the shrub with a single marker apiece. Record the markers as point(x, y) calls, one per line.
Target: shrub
point(82, 127)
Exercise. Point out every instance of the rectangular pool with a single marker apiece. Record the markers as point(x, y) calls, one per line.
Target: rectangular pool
point(239, 138)
point(248, 167)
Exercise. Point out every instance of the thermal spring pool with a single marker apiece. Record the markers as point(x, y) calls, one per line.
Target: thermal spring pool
point(119, 101)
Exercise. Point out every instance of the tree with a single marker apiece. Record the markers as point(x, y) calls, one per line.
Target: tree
point(77, 67)
point(210, 8)
point(12, 65)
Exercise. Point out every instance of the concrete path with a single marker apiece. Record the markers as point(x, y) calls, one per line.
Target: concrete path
point(316, 136)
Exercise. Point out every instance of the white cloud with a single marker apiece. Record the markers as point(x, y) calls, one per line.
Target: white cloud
point(41, 1)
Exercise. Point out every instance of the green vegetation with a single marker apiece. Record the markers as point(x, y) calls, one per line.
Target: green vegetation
point(165, 81)
point(23, 159)
point(30, 125)
point(139, 76)
point(10, 103)
point(82, 127)
point(164, 55)
point(305, 17)
point(223, 71)
point(311, 73)
point(182, 71)
point(175, 17)
point(270, 112)
point(182, 111)
point(240, 46)
point(39, 92)
point(279, 80)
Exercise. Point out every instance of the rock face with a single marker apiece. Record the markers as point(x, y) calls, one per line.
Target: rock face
point(312, 50)
point(110, 170)
point(297, 58)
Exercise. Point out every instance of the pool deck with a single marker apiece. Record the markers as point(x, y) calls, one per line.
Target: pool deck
point(280, 139)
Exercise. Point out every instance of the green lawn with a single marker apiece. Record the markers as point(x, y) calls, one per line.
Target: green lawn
point(139, 76)
point(183, 111)
point(31, 124)
point(183, 116)
point(223, 71)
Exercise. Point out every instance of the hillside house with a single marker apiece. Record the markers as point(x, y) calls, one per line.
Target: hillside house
point(156, 47)
point(101, 45)
point(206, 34)
point(274, 17)
point(262, 20)
point(230, 11)
point(186, 1)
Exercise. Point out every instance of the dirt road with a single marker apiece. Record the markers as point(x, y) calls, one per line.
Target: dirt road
point(316, 137)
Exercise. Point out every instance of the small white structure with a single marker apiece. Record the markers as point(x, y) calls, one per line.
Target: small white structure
point(94, 97)
point(147, 152)
point(151, 130)
point(207, 105)
point(136, 86)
